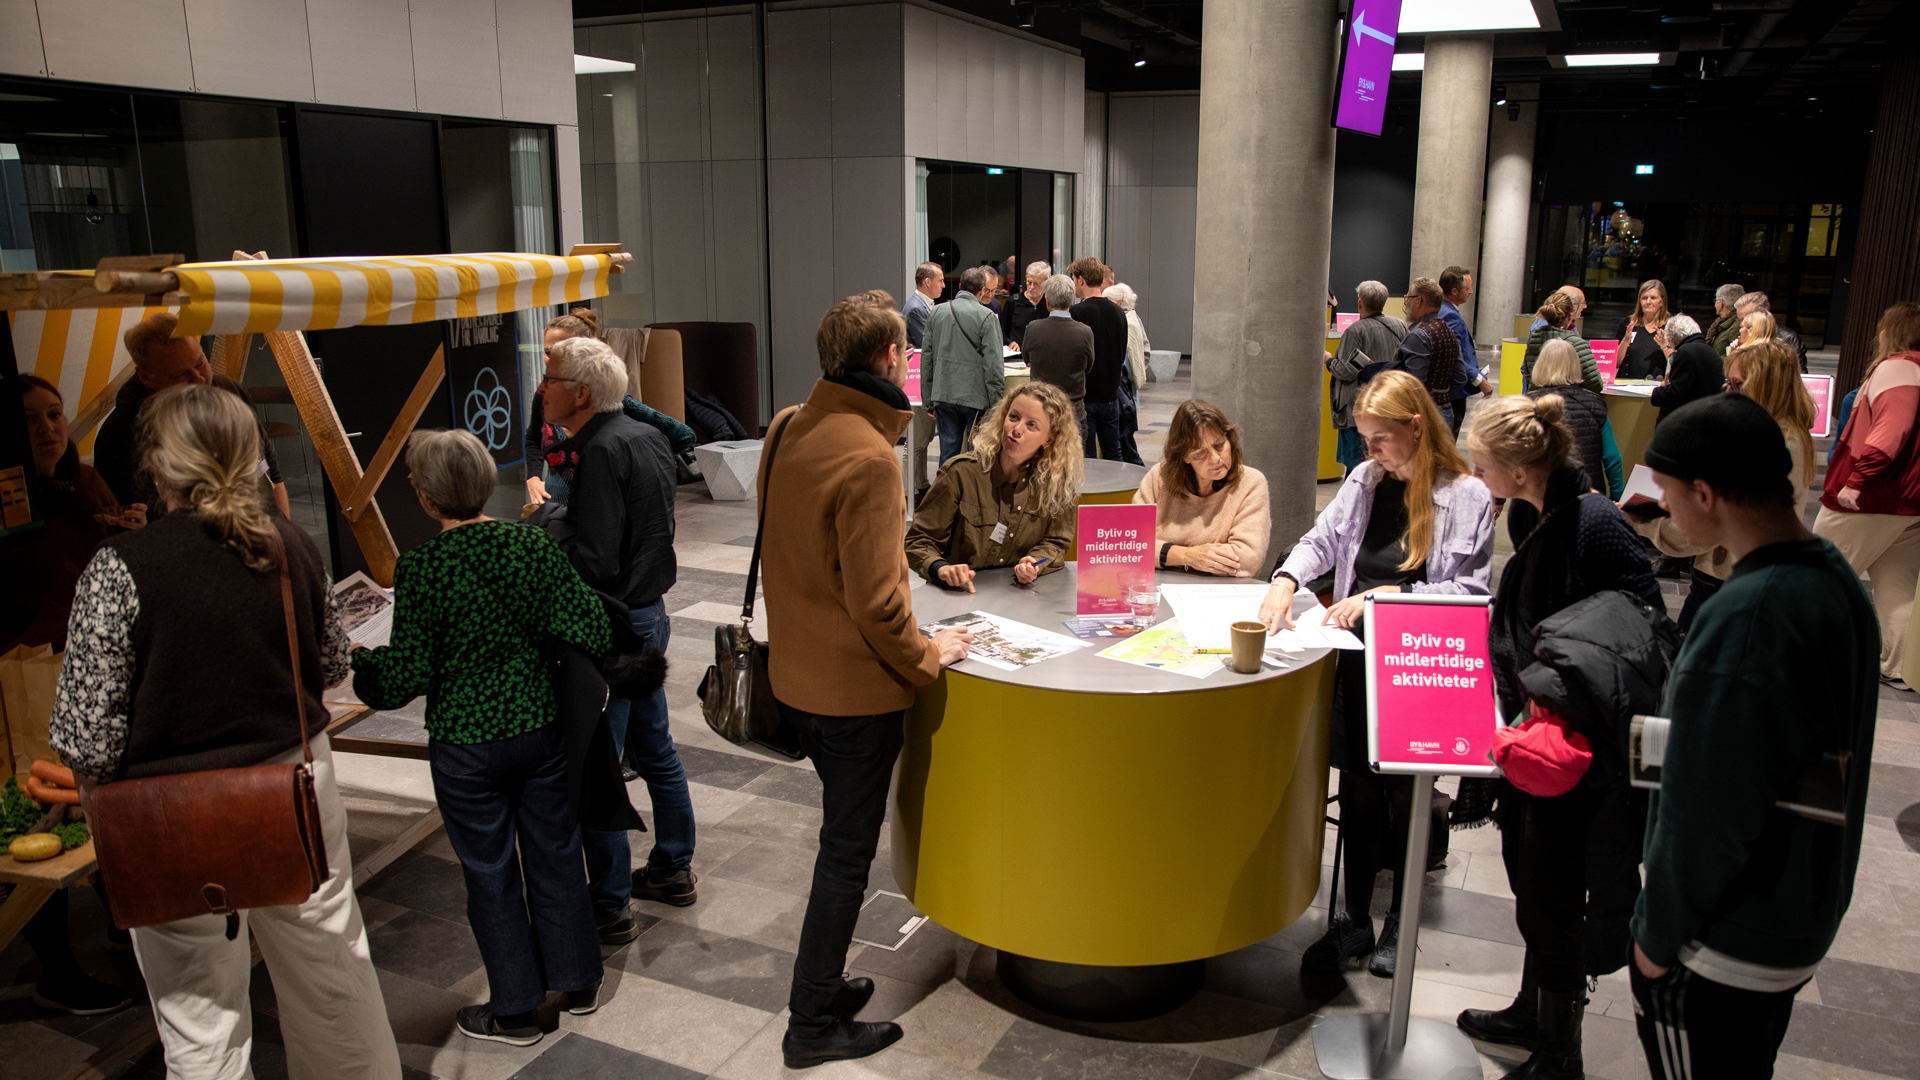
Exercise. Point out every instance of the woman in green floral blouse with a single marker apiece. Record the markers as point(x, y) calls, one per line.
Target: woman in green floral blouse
point(470, 608)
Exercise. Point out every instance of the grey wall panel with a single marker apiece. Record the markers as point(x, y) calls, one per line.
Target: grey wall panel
point(1073, 147)
point(20, 49)
point(600, 213)
point(1130, 141)
point(1006, 105)
point(982, 43)
point(566, 160)
point(633, 221)
point(626, 110)
point(125, 42)
point(596, 112)
point(672, 75)
point(1090, 234)
point(1176, 140)
point(1129, 237)
point(736, 270)
point(456, 57)
point(362, 53)
point(950, 105)
point(919, 49)
point(799, 238)
point(1168, 308)
point(534, 35)
point(799, 85)
point(251, 48)
point(676, 214)
point(1032, 71)
point(1053, 108)
point(733, 89)
point(868, 110)
point(868, 222)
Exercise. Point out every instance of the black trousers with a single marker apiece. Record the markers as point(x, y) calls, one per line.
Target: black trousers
point(1374, 809)
point(1693, 1028)
point(854, 756)
point(1545, 849)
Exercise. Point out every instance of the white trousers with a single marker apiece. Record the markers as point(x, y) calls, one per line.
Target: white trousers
point(331, 1012)
point(1886, 548)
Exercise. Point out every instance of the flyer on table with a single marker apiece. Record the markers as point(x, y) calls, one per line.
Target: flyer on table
point(1430, 699)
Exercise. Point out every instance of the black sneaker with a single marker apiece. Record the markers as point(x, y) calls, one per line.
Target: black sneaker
point(478, 1022)
point(583, 1002)
point(617, 928)
point(1388, 950)
point(1344, 940)
point(676, 888)
point(81, 995)
point(844, 1041)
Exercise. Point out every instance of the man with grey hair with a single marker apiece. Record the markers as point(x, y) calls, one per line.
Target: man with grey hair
point(962, 370)
point(621, 515)
point(1726, 324)
point(1694, 370)
point(1757, 301)
point(1025, 306)
point(1373, 337)
point(1579, 304)
point(1059, 349)
point(929, 281)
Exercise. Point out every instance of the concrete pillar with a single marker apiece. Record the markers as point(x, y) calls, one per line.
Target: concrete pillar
point(1501, 284)
point(1453, 155)
point(1092, 191)
point(1262, 236)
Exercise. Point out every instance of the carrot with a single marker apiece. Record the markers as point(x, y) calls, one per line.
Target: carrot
point(41, 793)
point(54, 774)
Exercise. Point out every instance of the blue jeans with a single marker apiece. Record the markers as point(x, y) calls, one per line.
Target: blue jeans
point(955, 425)
point(505, 808)
point(609, 855)
point(1350, 449)
point(1102, 439)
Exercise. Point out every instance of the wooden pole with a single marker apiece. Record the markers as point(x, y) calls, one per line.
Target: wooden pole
point(361, 499)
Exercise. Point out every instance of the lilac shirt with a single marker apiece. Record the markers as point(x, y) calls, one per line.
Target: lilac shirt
point(1460, 560)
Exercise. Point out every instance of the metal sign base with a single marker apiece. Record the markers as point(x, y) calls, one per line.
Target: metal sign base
point(1395, 1045)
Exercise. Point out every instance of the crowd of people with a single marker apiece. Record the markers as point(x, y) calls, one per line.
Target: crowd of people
point(178, 537)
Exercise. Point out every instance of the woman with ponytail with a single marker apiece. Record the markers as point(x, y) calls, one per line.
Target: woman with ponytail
point(191, 605)
point(1410, 519)
point(1569, 543)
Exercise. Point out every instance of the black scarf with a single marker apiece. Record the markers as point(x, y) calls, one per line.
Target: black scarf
point(868, 383)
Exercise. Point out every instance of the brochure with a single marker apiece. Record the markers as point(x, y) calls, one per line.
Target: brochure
point(366, 610)
point(1102, 629)
point(1311, 631)
point(1006, 644)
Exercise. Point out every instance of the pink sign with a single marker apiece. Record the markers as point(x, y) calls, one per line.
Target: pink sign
point(1607, 355)
point(913, 375)
point(1821, 387)
point(1343, 320)
point(1430, 700)
point(1114, 549)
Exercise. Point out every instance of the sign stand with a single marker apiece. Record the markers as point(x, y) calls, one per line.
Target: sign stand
point(1427, 658)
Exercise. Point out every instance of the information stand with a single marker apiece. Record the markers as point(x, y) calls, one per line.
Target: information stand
point(1430, 712)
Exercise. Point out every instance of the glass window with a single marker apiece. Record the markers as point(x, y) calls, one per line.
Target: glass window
point(1062, 219)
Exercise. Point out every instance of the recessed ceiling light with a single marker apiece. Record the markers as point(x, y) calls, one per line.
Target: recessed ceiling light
point(1410, 61)
point(1441, 16)
point(1613, 59)
point(598, 65)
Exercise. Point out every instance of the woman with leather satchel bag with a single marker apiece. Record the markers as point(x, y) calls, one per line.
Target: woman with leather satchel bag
point(197, 650)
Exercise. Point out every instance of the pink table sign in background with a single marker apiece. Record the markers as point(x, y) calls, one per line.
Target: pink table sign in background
point(913, 376)
point(1821, 387)
point(1344, 319)
point(1606, 354)
point(1434, 717)
point(1114, 549)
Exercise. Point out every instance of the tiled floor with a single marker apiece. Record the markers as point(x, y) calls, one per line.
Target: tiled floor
point(700, 993)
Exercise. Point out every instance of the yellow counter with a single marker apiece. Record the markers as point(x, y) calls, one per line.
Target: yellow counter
point(1632, 417)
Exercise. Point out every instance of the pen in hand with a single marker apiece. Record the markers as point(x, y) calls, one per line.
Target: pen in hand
point(1037, 564)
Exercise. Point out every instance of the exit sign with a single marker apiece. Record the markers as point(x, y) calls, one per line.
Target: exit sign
point(1643, 170)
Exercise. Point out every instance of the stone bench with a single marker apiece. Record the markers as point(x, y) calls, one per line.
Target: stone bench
point(1162, 365)
point(730, 468)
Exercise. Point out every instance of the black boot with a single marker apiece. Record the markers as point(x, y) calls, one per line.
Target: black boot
point(1558, 1057)
point(1516, 1025)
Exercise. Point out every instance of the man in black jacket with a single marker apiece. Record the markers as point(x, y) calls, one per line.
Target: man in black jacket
point(1757, 301)
point(1694, 370)
point(1109, 326)
point(620, 507)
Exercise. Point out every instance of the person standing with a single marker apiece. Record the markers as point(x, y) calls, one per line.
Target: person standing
point(1640, 354)
point(1430, 352)
point(1135, 375)
point(1558, 372)
point(1694, 370)
point(1757, 301)
point(621, 511)
point(962, 367)
point(1574, 294)
point(845, 650)
point(1554, 321)
point(1059, 349)
point(1109, 326)
point(1726, 321)
point(1743, 898)
point(1372, 337)
point(1871, 506)
point(1025, 306)
point(1456, 288)
point(929, 281)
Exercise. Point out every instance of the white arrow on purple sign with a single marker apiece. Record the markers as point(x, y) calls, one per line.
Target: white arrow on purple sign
point(1367, 67)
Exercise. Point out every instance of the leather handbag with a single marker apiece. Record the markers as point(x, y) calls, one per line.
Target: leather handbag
point(213, 842)
point(736, 694)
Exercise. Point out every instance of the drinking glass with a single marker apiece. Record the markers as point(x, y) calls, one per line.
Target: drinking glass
point(1144, 601)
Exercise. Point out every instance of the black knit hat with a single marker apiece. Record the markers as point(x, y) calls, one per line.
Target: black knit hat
point(1728, 440)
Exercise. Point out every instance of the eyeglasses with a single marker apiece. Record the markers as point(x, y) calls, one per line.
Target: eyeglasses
point(545, 379)
point(1735, 384)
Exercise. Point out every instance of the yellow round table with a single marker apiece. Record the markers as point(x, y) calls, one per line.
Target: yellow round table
point(1107, 826)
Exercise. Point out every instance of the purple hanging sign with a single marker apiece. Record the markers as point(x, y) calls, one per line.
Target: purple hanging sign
point(1366, 66)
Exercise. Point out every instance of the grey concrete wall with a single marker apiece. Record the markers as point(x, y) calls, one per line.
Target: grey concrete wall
point(1090, 237)
point(1153, 148)
point(983, 94)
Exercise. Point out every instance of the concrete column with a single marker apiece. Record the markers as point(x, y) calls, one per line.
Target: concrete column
point(1502, 280)
point(1453, 155)
point(1262, 236)
point(1091, 190)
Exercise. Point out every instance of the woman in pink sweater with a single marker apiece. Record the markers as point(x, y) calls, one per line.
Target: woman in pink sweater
point(1212, 515)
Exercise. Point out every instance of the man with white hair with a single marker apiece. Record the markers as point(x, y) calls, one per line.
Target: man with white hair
point(1726, 324)
point(1025, 306)
point(1757, 301)
point(1694, 370)
point(621, 513)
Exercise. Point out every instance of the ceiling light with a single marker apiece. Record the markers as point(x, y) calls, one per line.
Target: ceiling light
point(1499, 93)
point(1139, 54)
point(1441, 16)
point(1643, 170)
point(1028, 13)
point(1410, 61)
point(1623, 59)
point(598, 65)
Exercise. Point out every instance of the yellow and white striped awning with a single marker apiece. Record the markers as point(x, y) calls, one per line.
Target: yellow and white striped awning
point(324, 294)
point(79, 350)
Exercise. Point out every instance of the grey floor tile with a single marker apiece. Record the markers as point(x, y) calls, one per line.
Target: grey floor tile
point(779, 867)
point(423, 883)
point(719, 769)
point(741, 541)
point(1030, 1051)
point(577, 1057)
point(788, 784)
point(1871, 989)
point(1470, 914)
point(1214, 1069)
point(933, 955)
point(1857, 1040)
point(423, 947)
point(780, 822)
point(724, 967)
point(1272, 977)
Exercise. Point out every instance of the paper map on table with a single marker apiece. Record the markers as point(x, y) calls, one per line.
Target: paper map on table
point(1164, 647)
point(1209, 611)
point(1310, 631)
point(366, 610)
point(1006, 644)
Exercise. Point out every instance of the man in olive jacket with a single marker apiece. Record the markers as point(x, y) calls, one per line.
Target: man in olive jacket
point(961, 363)
point(845, 651)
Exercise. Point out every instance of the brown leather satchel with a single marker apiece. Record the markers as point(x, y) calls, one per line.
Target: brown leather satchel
point(213, 842)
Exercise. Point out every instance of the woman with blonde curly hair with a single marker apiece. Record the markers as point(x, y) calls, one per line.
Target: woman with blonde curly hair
point(1010, 500)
